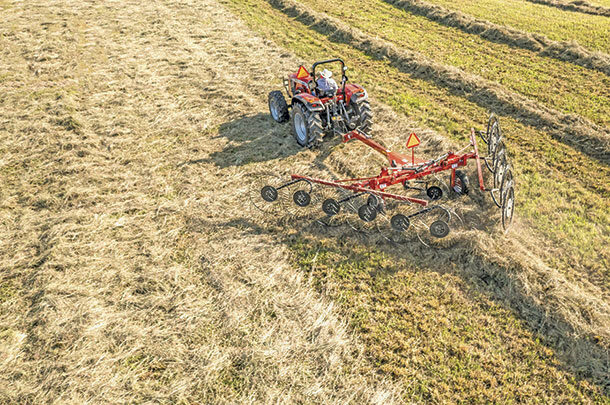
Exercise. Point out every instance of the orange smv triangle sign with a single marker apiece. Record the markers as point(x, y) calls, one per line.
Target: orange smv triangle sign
point(302, 73)
point(413, 141)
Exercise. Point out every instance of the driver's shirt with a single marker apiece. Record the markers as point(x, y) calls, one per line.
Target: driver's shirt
point(327, 85)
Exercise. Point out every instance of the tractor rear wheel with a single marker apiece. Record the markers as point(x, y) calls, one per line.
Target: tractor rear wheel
point(365, 116)
point(306, 126)
point(278, 107)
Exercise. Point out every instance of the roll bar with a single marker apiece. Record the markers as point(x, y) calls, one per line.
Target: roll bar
point(323, 62)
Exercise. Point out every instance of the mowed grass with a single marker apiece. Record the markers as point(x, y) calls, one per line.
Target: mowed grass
point(117, 283)
point(138, 277)
point(590, 31)
point(561, 85)
point(561, 192)
point(446, 341)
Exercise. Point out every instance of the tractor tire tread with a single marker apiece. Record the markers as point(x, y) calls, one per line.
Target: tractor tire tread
point(366, 116)
point(278, 97)
point(314, 125)
point(313, 122)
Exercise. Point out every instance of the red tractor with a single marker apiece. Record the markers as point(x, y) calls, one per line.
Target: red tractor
point(319, 106)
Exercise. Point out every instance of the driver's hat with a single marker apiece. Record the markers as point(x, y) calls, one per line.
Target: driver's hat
point(326, 74)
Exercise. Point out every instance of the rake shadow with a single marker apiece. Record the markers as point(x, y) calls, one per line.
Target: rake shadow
point(499, 283)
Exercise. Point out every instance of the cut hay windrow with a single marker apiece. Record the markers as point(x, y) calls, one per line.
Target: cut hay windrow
point(573, 130)
point(580, 6)
point(562, 50)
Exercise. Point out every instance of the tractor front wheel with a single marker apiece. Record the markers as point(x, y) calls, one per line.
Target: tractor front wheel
point(365, 116)
point(306, 126)
point(278, 107)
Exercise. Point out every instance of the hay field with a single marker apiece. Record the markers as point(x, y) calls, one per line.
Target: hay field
point(132, 270)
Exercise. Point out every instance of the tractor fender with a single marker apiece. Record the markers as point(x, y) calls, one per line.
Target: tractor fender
point(355, 93)
point(312, 103)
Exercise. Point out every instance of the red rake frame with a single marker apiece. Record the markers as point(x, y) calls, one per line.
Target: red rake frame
point(402, 169)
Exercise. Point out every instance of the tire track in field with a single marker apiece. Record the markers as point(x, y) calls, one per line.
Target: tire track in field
point(580, 6)
point(573, 130)
point(561, 50)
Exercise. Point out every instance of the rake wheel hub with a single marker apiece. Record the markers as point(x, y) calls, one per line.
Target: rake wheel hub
point(434, 193)
point(400, 222)
point(439, 229)
point(269, 193)
point(367, 213)
point(331, 207)
point(301, 198)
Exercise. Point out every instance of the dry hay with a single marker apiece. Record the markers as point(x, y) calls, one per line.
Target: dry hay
point(133, 270)
point(128, 270)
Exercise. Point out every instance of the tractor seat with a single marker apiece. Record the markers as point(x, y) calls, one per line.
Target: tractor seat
point(321, 93)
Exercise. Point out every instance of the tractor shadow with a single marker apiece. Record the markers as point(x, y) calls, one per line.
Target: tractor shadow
point(251, 139)
point(458, 255)
point(258, 138)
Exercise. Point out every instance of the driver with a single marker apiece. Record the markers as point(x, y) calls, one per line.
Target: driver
point(326, 84)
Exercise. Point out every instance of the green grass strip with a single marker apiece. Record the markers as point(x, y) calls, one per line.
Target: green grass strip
point(590, 31)
point(560, 85)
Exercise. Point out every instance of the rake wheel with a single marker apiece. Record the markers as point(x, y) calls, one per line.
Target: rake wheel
point(331, 212)
point(493, 138)
point(508, 207)
point(267, 199)
point(303, 201)
point(433, 225)
point(461, 183)
point(364, 212)
point(500, 165)
point(439, 229)
point(507, 181)
point(494, 134)
point(394, 224)
point(434, 193)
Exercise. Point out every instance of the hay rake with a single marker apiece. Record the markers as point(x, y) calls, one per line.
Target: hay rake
point(368, 206)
